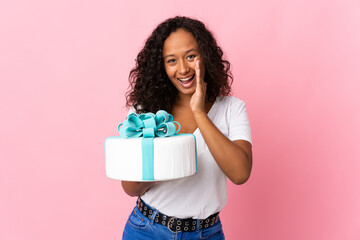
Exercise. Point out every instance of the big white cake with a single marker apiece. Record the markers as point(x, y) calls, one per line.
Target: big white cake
point(173, 157)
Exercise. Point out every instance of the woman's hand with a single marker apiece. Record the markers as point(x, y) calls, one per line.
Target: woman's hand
point(197, 101)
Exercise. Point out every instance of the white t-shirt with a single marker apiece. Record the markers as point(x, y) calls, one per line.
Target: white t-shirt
point(204, 193)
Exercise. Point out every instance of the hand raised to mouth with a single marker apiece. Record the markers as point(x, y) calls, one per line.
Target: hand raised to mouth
point(197, 102)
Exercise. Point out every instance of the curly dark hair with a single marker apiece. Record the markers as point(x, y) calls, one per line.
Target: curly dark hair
point(152, 90)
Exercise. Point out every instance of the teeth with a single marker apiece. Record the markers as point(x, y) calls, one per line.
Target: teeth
point(185, 79)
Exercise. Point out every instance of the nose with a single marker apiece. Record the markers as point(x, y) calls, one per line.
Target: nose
point(183, 67)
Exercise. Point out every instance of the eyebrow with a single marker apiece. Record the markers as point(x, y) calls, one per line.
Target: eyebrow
point(171, 55)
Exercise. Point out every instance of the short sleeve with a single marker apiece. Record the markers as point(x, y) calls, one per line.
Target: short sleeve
point(131, 110)
point(239, 125)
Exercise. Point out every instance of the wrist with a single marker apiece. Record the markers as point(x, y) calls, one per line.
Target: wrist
point(199, 116)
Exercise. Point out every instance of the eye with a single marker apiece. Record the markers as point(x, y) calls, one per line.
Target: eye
point(191, 56)
point(170, 61)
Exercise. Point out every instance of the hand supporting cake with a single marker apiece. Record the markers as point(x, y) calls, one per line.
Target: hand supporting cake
point(149, 149)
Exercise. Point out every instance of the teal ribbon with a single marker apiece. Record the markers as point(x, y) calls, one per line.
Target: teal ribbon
point(148, 126)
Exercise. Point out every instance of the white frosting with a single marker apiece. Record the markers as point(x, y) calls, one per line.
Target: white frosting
point(174, 157)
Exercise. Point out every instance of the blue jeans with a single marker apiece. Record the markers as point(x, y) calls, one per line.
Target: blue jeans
point(139, 227)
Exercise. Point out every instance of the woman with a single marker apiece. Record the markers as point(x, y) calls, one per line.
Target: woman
point(181, 70)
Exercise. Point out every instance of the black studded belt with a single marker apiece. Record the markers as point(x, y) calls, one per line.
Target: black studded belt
point(176, 224)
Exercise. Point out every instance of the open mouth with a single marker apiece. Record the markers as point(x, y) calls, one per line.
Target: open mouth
point(186, 82)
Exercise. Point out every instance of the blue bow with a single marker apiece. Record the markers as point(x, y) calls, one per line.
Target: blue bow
point(148, 126)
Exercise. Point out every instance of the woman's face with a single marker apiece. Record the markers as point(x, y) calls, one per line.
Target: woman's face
point(179, 52)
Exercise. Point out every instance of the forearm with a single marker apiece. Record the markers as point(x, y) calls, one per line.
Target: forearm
point(136, 188)
point(233, 160)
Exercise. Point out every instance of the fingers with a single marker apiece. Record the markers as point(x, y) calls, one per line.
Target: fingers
point(198, 98)
point(197, 71)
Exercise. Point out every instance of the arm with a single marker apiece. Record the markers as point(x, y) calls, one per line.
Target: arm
point(233, 157)
point(136, 188)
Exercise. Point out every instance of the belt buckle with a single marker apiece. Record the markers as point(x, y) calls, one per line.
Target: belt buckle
point(172, 219)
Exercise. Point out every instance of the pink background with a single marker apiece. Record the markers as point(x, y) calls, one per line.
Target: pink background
point(64, 67)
